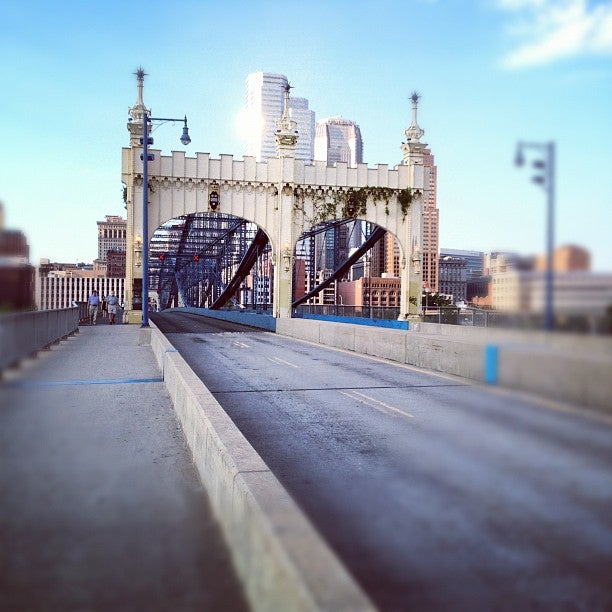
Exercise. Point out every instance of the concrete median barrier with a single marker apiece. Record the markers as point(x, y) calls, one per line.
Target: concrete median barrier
point(283, 562)
point(566, 367)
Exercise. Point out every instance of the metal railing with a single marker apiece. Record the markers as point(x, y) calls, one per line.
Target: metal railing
point(362, 312)
point(23, 334)
point(472, 317)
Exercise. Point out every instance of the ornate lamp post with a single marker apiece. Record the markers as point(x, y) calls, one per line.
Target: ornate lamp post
point(546, 178)
point(146, 157)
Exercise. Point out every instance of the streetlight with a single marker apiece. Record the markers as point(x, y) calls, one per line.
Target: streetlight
point(546, 178)
point(146, 158)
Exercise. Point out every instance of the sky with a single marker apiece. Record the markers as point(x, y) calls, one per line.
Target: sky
point(490, 73)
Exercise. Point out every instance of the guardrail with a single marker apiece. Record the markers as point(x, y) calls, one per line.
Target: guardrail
point(23, 334)
point(471, 317)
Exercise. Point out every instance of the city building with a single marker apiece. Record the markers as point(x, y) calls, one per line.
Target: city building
point(499, 261)
point(431, 226)
point(383, 258)
point(338, 140)
point(305, 119)
point(518, 285)
point(111, 235)
point(453, 278)
point(264, 106)
point(379, 292)
point(574, 293)
point(59, 285)
point(61, 289)
point(115, 263)
point(474, 260)
point(566, 258)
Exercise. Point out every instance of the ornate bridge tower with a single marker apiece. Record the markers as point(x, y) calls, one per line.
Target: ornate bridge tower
point(283, 196)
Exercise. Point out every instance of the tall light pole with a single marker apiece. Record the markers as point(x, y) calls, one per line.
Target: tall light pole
point(546, 178)
point(146, 158)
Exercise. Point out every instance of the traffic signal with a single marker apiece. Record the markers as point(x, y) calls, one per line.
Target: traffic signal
point(196, 258)
point(162, 256)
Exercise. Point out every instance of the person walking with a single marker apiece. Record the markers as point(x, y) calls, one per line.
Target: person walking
point(112, 303)
point(94, 304)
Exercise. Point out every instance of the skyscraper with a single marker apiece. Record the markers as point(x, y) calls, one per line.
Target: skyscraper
point(263, 106)
point(305, 119)
point(338, 139)
point(431, 225)
point(111, 235)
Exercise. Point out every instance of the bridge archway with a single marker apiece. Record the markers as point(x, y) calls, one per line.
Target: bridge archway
point(348, 263)
point(206, 260)
point(284, 196)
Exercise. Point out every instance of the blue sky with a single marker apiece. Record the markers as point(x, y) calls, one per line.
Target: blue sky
point(490, 73)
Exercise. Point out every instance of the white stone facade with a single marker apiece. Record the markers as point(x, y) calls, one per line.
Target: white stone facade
point(60, 290)
point(284, 197)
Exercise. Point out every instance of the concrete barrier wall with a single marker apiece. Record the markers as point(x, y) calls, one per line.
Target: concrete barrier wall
point(23, 334)
point(243, 317)
point(282, 561)
point(566, 367)
point(585, 344)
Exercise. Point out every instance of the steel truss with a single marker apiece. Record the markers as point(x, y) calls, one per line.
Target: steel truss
point(205, 259)
point(194, 259)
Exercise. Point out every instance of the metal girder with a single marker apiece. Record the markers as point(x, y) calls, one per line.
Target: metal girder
point(376, 235)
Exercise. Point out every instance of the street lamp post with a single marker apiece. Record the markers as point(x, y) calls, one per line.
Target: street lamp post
point(546, 178)
point(146, 158)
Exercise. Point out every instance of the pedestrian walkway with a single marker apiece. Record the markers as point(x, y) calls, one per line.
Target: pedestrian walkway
point(100, 505)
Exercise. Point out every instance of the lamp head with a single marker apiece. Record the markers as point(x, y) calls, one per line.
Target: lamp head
point(185, 139)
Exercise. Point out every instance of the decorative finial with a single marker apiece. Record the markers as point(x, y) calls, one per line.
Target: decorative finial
point(414, 132)
point(286, 134)
point(138, 110)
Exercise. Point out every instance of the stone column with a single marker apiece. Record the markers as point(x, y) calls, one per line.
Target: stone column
point(412, 282)
point(286, 139)
point(134, 228)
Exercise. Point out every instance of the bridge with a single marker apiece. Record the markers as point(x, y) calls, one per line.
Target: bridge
point(335, 477)
point(226, 460)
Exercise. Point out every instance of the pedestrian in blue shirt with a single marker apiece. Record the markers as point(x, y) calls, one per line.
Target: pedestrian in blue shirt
point(94, 304)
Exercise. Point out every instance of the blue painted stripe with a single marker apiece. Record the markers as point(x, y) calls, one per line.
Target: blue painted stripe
point(491, 363)
point(387, 323)
point(62, 383)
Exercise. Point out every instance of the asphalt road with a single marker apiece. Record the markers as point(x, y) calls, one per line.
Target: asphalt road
point(437, 494)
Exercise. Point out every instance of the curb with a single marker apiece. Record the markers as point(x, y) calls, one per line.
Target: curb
point(282, 561)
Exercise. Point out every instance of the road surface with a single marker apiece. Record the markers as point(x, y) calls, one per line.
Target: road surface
point(437, 494)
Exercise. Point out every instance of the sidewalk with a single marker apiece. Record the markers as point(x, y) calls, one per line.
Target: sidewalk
point(100, 505)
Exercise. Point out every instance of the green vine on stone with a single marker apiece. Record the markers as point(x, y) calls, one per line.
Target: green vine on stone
point(404, 199)
point(352, 202)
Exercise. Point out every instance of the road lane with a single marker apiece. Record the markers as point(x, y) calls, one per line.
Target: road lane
point(438, 495)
